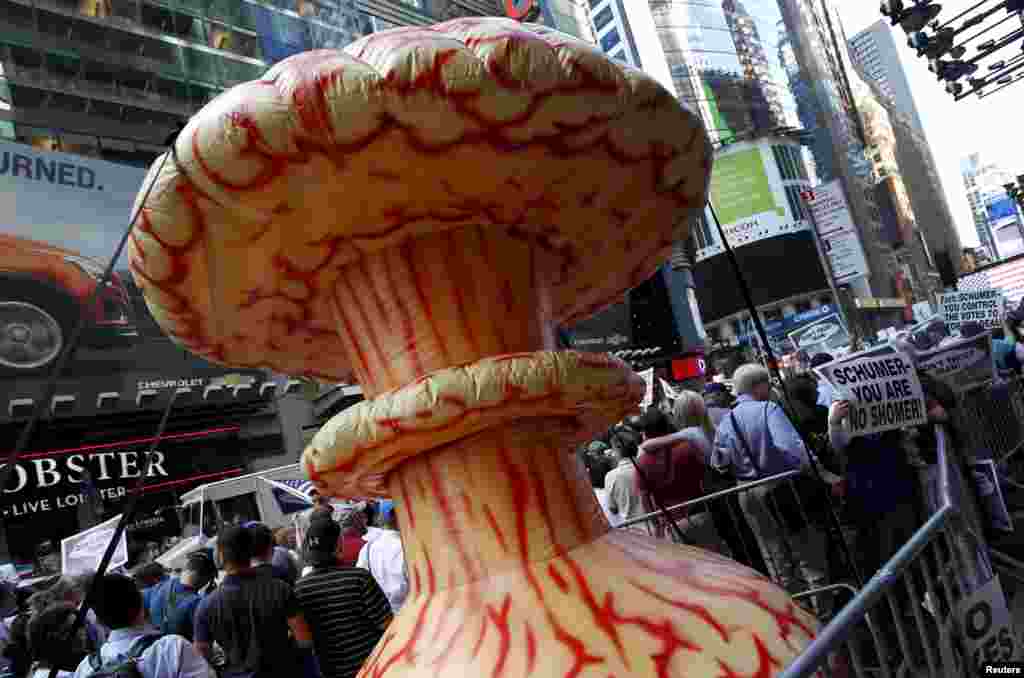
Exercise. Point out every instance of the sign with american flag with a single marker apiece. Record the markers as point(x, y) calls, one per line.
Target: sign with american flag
point(1007, 277)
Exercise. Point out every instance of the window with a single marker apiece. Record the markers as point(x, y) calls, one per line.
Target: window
point(239, 509)
point(602, 18)
point(796, 206)
point(611, 40)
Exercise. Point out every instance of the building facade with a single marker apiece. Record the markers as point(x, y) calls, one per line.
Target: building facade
point(112, 78)
point(875, 54)
point(720, 67)
point(995, 218)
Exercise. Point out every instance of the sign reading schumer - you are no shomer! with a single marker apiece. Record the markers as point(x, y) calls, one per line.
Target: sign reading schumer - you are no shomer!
point(884, 392)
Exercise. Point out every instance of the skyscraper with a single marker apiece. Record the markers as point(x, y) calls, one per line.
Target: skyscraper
point(995, 224)
point(719, 66)
point(753, 58)
point(112, 78)
point(875, 54)
point(613, 31)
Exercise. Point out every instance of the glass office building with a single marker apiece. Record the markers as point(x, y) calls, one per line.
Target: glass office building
point(112, 78)
point(723, 63)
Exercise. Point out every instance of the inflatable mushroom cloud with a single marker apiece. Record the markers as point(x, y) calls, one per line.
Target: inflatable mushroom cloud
point(419, 211)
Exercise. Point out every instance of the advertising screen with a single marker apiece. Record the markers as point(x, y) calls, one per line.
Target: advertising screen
point(56, 493)
point(718, 292)
point(1001, 211)
point(750, 200)
point(61, 217)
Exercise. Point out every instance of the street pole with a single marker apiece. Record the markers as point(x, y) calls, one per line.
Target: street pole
point(825, 263)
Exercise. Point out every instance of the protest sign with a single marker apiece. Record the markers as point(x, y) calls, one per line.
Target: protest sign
point(822, 336)
point(670, 392)
point(987, 626)
point(983, 306)
point(648, 377)
point(884, 392)
point(82, 552)
point(962, 363)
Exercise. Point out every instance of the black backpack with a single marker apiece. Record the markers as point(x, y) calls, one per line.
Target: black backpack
point(123, 666)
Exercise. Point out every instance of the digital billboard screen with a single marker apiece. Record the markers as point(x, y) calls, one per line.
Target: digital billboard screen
point(1001, 211)
point(718, 292)
point(61, 218)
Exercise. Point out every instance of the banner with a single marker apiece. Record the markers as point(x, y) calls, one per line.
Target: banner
point(837, 232)
point(61, 217)
point(962, 364)
point(984, 307)
point(822, 336)
point(987, 627)
point(670, 392)
point(610, 330)
point(884, 392)
point(83, 552)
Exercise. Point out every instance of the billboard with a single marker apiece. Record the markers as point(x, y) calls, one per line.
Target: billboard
point(718, 293)
point(1001, 211)
point(749, 199)
point(837, 232)
point(61, 217)
point(43, 502)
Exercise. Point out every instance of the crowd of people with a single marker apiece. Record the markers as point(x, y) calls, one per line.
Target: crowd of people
point(254, 606)
point(680, 451)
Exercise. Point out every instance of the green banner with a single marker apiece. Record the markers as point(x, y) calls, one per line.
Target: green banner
point(740, 187)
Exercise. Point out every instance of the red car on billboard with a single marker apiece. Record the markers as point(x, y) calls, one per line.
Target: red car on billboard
point(43, 290)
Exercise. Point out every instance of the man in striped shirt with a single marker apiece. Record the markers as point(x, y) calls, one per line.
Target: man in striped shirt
point(345, 608)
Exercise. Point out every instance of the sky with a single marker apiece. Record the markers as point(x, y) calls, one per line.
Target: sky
point(990, 126)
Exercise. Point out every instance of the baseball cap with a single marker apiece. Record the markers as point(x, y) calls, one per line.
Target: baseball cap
point(201, 562)
point(322, 538)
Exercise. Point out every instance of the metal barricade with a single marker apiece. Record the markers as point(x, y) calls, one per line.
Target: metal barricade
point(903, 623)
point(795, 558)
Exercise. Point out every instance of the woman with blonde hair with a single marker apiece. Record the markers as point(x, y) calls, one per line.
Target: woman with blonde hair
point(690, 412)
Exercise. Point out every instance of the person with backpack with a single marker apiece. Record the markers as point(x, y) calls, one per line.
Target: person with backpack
point(172, 604)
point(52, 646)
point(134, 649)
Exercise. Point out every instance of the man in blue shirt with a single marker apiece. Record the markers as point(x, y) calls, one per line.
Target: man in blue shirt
point(755, 441)
point(172, 604)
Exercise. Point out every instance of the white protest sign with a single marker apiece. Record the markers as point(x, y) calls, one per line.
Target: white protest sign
point(884, 392)
point(648, 377)
point(962, 363)
point(667, 388)
point(987, 628)
point(83, 552)
point(984, 307)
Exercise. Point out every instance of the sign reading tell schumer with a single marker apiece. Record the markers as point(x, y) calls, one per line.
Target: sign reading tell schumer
point(984, 307)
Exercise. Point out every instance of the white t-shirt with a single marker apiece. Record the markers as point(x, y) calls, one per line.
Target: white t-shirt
point(383, 557)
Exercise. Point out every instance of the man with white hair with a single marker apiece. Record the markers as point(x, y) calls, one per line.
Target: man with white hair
point(757, 440)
